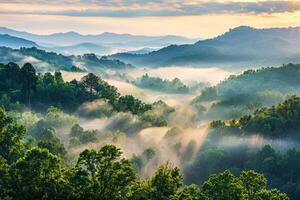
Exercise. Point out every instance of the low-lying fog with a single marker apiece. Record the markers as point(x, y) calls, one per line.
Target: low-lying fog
point(188, 75)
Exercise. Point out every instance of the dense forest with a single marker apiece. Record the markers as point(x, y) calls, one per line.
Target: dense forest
point(242, 94)
point(266, 141)
point(39, 91)
point(30, 171)
point(282, 120)
point(46, 152)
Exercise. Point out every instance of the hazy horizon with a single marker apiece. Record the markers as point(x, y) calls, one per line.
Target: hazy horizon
point(189, 18)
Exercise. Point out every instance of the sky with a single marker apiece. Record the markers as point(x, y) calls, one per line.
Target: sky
point(190, 18)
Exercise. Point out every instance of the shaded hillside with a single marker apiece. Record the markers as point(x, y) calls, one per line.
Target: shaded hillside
point(15, 42)
point(242, 45)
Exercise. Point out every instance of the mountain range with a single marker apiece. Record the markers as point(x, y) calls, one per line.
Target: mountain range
point(243, 45)
point(106, 42)
point(239, 48)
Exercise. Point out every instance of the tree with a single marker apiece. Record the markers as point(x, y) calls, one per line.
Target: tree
point(90, 82)
point(129, 103)
point(12, 74)
point(83, 136)
point(28, 80)
point(103, 174)
point(272, 194)
point(11, 135)
point(223, 186)
point(5, 189)
point(191, 192)
point(37, 175)
point(166, 181)
point(253, 183)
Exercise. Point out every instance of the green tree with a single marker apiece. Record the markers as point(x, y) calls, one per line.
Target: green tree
point(37, 175)
point(253, 183)
point(272, 194)
point(11, 135)
point(103, 174)
point(223, 186)
point(166, 181)
point(90, 82)
point(191, 192)
point(28, 80)
point(140, 190)
point(12, 74)
point(5, 189)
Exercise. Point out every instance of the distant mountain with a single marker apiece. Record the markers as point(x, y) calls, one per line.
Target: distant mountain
point(241, 45)
point(106, 39)
point(82, 48)
point(15, 42)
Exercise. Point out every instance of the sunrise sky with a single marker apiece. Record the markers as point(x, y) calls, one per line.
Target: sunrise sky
point(191, 18)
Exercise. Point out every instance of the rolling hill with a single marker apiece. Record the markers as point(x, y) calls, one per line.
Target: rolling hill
point(52, 61)
point(239, 46)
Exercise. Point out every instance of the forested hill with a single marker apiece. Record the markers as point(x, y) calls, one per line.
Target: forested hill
point(242, 94)
point(21, 86)
point(241, 45)
point(284, 79)
point(51, 61)
point(279, 121)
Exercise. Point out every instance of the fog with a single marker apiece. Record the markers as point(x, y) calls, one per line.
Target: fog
point(179, 141)
point(188, 75)
point(176, 143)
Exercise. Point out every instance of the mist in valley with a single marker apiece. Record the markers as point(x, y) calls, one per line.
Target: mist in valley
point(185, 135)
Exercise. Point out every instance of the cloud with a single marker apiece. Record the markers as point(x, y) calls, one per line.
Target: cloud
point(142, 8)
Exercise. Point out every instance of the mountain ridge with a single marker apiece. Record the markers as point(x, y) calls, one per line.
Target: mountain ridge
point(239, 46)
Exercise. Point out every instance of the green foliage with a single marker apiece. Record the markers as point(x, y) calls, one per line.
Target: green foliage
point(281, 121)
point(280, 168)
point(223, 186)
point(56, 118)
point(28, 79)
point(156, 83)
point(243, 94)
point(191, 192)
point(96, 109)
point(158, 115)
point(82, 136)
point(11, 134)
point(139, 161)
point(207, 94)
point(163, 185)
point(129, 103)
point(37, 175)
point(4, 180)
point(43, 91)
point(273, 194)
point(101, 174)
point(166, 181)
point(104, 174)
point(253, 184)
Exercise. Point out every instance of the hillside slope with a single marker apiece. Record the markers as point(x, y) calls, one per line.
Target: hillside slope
point(240, 46)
